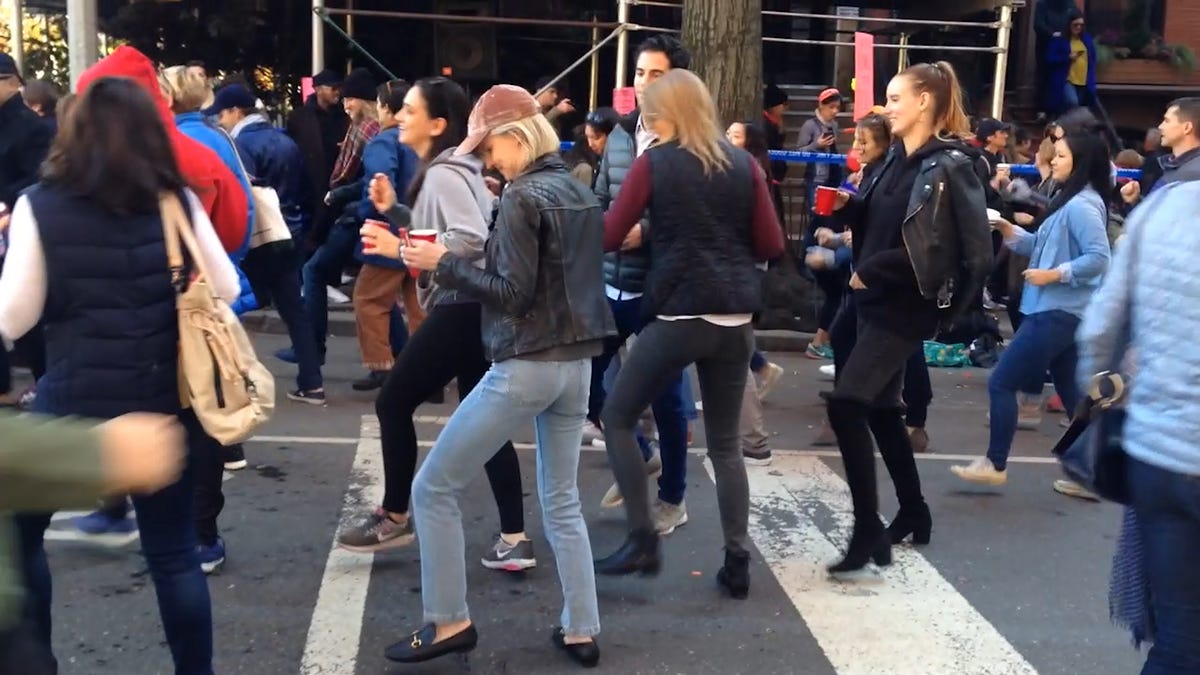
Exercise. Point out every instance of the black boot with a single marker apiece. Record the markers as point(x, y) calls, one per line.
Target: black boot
point(869, 543)
point(914, 520)
point(639, 554)
point(734, 577)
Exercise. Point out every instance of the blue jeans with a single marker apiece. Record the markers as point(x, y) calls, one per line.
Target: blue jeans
point(1168, 512)
point(555, 395)
point(670, 413)
point(274, 273)
point(322, 269)
point(1045, 341)
point(168, 537)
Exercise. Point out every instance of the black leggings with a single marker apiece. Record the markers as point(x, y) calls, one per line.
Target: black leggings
point(448, 345)
point(833, 287)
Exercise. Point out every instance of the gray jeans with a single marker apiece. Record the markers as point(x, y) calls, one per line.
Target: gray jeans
point(553, 395)
point(662, 351)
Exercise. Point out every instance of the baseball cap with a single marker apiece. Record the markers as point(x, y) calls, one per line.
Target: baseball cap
point(230, 96)
point(500, 105)
point(827, 95)
point(8, 67)
point(989, 126)
point(327, 78)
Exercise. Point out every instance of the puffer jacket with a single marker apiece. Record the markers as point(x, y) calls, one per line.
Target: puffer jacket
point(946, 233)
point(1149, 306)
point(540, 286)
point(623, 270)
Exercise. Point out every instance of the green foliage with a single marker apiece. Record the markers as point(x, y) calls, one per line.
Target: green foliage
point(1183, 58)
point(45, 46)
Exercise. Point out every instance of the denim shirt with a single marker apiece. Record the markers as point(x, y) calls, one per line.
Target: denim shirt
point(1074, 241)
point(1149, 306)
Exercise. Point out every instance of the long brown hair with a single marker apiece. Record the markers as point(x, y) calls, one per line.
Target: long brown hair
point(113, 150)
point(681, 98)
point(941, 83)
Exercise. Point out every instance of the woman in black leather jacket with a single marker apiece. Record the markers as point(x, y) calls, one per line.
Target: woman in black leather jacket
point(922, 249)
point(544, 318)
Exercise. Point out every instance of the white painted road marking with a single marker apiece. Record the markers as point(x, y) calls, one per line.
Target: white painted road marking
point(336, 626)
point(908, 621)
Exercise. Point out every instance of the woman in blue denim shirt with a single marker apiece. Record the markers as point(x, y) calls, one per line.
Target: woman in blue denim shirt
point(1068, 255)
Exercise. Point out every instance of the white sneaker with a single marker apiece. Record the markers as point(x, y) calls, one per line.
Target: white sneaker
point(828, 370)
point(1072, 489)
point(612, 499)
point(668, 516)
point(592, 435)
point(773, 372)
point(981, 471)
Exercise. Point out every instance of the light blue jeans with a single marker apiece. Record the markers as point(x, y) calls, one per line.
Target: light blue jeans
point(554, 394)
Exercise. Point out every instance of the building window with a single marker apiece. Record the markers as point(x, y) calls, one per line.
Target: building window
point(1133, 28)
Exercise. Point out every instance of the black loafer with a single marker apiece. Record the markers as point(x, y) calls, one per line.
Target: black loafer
point(586, 654)
point(420, 646)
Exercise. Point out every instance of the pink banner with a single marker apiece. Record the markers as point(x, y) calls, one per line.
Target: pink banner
point(306, 88)
point(864, 74)
point(624, 100)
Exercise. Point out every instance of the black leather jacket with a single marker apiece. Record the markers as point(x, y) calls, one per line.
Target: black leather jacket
point(945, 229)
point(542, 286)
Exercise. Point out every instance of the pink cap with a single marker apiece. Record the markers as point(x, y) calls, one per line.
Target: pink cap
point(827, 94)
point(500, 105)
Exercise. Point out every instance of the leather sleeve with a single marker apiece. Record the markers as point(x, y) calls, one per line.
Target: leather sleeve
point(513, 252)
point(969, 205)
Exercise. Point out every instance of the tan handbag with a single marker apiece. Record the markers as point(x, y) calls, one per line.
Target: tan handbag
point(220, 378)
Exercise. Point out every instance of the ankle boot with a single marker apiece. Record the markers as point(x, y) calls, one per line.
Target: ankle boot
point(638, 554)
point(915, 520)
point(868, 543)
point(734, 577)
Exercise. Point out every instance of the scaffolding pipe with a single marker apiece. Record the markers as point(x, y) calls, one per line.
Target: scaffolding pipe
point(808, 15)
point(594, 71)
point(595, 48)
point(324, 14)
point(903, 53)
point(18, 35)
point(318, 36)
point(83, 43)
point(622, 43)
point(350, 32)
point(502, 20)
point(878, 45)
point(1002, 37)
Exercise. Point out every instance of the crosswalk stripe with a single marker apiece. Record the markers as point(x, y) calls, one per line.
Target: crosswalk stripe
point(908, 620)
point(334, 631)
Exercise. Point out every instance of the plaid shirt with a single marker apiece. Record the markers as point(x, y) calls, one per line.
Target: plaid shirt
point(349, 160)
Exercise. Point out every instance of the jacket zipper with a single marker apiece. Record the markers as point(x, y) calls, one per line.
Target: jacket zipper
point(936, 203)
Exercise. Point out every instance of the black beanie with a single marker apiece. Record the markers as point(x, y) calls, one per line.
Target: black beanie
point(773, 96)
point(359, 84)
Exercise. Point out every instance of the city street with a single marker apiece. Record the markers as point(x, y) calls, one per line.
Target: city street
point(1015, 580)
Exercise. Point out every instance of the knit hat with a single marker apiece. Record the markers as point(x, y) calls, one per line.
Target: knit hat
point(327, 78)
point(773, 96)
point(500, 105)
point(359, 84)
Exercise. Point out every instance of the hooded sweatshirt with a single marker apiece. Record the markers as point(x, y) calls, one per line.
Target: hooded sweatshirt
point(455, 201)
point(220, 192)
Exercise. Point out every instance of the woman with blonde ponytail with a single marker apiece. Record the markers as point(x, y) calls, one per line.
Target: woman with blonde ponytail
point(922, 249)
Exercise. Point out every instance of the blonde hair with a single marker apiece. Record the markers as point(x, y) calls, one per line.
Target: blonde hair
point(939, 80)
point(188, 91)
point(681, 98)
point(1045, 152)
point(534, 134)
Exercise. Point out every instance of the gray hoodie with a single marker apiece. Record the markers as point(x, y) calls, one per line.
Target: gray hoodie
point(455, 201)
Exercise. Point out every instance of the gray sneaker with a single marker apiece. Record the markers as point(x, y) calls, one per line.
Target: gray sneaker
point(509, 557)
point(377, 532)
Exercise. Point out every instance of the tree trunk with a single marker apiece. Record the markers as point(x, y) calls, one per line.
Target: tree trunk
point(725, 38)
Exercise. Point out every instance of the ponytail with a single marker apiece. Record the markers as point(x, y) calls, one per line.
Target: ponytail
point(941, 83)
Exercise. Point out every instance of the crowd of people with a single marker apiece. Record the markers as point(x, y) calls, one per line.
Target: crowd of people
point(489, 259)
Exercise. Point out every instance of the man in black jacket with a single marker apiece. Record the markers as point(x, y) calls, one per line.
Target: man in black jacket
point(318, 127)
point(24, 141)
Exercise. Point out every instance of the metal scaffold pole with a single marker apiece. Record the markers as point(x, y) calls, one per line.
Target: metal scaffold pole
point(622, 43)
point(318, 36)
point(1003, 35)
point(83, 37)
point(18, 34)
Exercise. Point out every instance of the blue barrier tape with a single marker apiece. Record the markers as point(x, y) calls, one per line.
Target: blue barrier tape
point(798, 157)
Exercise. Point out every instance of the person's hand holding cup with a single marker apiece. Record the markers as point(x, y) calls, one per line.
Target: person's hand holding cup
point(377, 239)
point(828, 200)
point(423, 251)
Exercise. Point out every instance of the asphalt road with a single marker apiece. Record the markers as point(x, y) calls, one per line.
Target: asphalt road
point(1015, 580)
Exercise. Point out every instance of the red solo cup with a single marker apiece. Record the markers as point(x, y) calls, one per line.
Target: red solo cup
point(826, 198)
point(421, 235)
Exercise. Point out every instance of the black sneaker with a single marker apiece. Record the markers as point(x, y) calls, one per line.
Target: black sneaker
point(373, 380)
point(235, 457)
point(315, 397)
point(734, 576)
point(757, 457)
